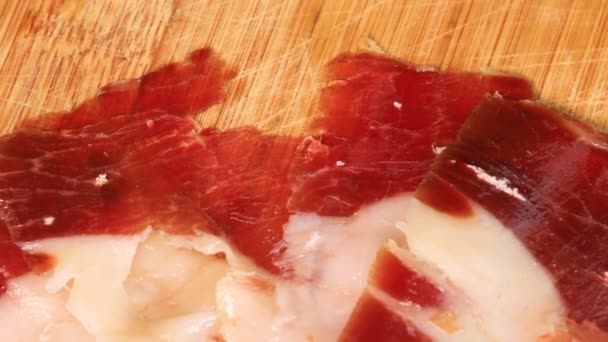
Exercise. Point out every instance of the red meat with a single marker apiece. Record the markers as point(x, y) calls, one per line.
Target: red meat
point(382, 121)
point(558, 167)
point(132, 157)
point(372, 321)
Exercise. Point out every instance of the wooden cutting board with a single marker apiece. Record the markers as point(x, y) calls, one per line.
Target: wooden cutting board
point(54, 54)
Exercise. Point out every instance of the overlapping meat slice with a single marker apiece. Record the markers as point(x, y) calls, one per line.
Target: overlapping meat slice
point(544, 176)
point(512, 216)
point(383, 122)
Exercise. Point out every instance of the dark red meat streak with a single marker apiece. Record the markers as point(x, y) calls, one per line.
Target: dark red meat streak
point(402, 283)
point(136, 134)
point(560, 167)
point(372, 321)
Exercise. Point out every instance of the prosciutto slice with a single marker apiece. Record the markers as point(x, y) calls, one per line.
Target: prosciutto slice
point(383, 123)
point(544, 177)
point(510, 225)
point(271, 221)
point(85, 171)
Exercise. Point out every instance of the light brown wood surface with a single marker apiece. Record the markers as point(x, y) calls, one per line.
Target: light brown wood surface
point(54, 54)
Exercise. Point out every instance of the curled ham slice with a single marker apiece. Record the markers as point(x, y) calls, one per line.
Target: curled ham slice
point(544, 177)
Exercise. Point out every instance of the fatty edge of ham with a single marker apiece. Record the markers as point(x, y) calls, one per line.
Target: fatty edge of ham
point(118, 297)
point(494, 288)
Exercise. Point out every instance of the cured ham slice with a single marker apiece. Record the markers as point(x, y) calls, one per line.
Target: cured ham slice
point(260, 229)
point(383, 123)
point(544, 177)
point(511, 223)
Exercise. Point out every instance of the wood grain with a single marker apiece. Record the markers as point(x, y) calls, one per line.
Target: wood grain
point(54, 54)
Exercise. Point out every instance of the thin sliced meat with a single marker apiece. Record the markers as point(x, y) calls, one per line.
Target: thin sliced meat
point(544, 177)
point(391, 281)
point(132, 157)
point(246, 195)
point(104, 167)
point(511, 223)
point(383, 122)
